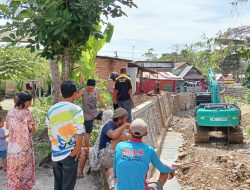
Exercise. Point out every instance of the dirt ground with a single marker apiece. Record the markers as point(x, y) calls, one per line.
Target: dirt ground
point(216, 165)
point(140, 99)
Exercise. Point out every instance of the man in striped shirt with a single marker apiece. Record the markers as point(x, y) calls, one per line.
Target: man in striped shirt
point(65, 129)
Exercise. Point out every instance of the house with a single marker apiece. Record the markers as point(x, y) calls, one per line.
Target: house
point(37, 87)
point(193, 79)
point(219, 78)
point(179, 67)
point(106, 65)
point(229, 79)
point(165, 81)
point(156, 66)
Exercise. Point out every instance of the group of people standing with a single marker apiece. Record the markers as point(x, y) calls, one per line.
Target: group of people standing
point(118, 149)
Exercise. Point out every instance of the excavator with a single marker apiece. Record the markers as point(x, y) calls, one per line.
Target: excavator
point(213, 115)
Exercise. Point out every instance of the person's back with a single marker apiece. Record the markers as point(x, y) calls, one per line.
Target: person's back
point(132, 159)
point(62, 120)
point(132, 165)
point(123, 85)
point(65, 129)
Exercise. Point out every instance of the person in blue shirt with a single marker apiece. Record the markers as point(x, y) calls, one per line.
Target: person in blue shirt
point(132, 159)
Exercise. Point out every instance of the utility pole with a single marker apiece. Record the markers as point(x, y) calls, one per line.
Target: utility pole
point(133, 48)
point(116, 54)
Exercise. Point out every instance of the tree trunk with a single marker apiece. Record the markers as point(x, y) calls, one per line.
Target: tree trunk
point(55, 77)
point(66, 64)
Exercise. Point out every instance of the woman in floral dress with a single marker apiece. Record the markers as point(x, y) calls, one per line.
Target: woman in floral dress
point(20, 158)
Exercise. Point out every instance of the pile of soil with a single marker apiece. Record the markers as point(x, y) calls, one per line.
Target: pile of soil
point(219, 165)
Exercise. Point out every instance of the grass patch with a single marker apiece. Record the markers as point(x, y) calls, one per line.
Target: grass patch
point(247, 131)
point(230, 99)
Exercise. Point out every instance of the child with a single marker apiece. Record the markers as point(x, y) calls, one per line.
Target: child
point(3, 144)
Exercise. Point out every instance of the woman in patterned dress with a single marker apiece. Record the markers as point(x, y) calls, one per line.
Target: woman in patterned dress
point(20, 158)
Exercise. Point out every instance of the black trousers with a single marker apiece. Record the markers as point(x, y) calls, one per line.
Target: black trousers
point(65, 173)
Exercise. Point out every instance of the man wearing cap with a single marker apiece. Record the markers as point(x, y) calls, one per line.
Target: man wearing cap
point(132, 159)
point(123, 92)
point(90, 96)
point(112, 133)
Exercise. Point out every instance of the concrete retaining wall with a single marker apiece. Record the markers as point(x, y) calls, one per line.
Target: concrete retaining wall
point(235, 90)
point(158, 114)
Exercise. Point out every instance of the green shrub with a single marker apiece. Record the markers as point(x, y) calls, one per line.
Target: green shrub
point(246, 97)
point(230, 99)
point(40, 109)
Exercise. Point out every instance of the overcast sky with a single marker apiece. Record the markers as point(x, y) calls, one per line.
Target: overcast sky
point(160, 24)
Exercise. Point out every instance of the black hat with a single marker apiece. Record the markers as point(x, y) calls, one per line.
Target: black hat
point(91, 82)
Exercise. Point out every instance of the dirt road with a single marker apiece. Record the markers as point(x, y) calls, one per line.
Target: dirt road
point(218, 165)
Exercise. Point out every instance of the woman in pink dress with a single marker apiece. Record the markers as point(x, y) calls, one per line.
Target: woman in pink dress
point(20, 158)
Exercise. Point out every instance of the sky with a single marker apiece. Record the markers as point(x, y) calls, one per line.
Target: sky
point(166, 24)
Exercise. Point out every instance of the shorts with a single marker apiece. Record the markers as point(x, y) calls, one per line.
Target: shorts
point(106, 157)
point(3, 154)
point(90, 123)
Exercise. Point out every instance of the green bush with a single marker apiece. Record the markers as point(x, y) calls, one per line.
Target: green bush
point(246, 98)
point(40, 109)
point(106, 96)
point(230, 99)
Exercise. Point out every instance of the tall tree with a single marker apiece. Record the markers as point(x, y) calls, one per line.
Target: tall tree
point(150, 55)
point(59, 26)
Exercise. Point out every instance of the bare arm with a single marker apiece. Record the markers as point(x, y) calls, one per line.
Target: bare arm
point(130, 93)
point(117, 133)
point(102, 102)
point(33, 130)
point(115, 96)
point(80, 94)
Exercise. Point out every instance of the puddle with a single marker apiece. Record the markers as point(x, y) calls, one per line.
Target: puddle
point(169, 154)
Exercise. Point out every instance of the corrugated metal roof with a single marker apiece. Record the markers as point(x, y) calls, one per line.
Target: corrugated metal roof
point(218, 76)
point(177, 65)
point(161, 76)
point(153, 64)
point(185, 71)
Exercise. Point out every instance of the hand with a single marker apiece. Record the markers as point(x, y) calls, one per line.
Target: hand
point(127, 125)
point(76, 151)
point(86, 150)
point(171, 175)
point(132, 103)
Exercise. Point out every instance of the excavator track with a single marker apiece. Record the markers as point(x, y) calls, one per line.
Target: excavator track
point(235, 135)
point(201, 134)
